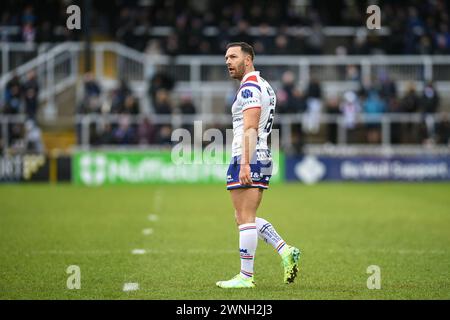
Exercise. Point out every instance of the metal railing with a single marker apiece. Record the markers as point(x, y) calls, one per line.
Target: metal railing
point(285, 122)
point(206, 78)
point(56, 69)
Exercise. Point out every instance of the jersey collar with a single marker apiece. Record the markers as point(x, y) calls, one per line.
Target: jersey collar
point(253, 73)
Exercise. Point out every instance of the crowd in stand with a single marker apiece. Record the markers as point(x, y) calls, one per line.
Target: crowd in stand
point(371, 100)
point(205, 27)
point(21, 98)
point(272, 27)
point(130, 126)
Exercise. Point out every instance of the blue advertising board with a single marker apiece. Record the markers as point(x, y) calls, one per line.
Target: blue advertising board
point(312, 169)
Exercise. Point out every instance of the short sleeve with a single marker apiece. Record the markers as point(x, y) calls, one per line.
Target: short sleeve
point(250, 97)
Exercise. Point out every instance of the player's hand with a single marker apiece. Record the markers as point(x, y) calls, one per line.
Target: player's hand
point(245, 175)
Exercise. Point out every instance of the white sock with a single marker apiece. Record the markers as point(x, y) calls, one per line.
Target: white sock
point(248, 240)
point(268, 233)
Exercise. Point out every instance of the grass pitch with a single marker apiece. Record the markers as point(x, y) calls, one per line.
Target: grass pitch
point(340, 228)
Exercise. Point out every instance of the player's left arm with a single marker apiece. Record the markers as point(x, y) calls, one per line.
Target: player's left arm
point(251, 122)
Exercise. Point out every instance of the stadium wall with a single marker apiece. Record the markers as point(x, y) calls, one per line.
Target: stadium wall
point(110, 167)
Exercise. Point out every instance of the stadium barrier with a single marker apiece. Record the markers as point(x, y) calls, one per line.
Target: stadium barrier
point(106, 167)
point(29, 167)
point(311, 169)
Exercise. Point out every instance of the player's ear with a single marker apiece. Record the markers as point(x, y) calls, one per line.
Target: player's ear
point(248, 60)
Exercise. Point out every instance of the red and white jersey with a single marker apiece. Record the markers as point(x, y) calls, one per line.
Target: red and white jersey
point(254, 92)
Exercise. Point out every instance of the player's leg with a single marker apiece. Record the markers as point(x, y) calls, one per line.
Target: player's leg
point(245, 201)
point(289, 255)
point(268, 234)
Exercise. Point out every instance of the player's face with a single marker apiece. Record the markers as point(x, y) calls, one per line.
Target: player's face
point(235, 61)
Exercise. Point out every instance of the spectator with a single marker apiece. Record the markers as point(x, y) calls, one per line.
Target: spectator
point(410, 101)
point(162, 105)
point(187, 106)
point(430, 105)
point(443, 130)
point(281, 45)
point(29, 33)
point(164, 135)
point(91, 86)
point(33, 138)
point(332, 109)
point(316, 40)
point(90, 104)
point(374, 106)
point(31, 92)
point(124, 133)
point(13, 93)
point(350, 108)
point(289, 98)
point(119, 96)
point(314, 107)
point(160, 80)
point(146, 132)
point(106, 135)
point(130, 105)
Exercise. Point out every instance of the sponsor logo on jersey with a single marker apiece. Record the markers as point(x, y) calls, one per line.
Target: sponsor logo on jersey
point(250, 102)
point(255, 176)
point(246, 94)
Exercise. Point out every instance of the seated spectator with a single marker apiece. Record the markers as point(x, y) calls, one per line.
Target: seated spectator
point(162, 103)
point(374, 106)
point(160, 80)
point(33, 138)
point(118, 97)
point(91, 86)
point(164, 135)
point(410, 101)
point(289, 98)
point(130, 105)
point(106, 135)
point(350, 108)
point(13, 94)
point(187, 106)
point(124, 133)
point(146, 132)
point(443, 130)
point(31, 92)
point(91, 102)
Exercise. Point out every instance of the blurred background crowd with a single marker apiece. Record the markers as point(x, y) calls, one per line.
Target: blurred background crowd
point(200, 27)
point(177, 27)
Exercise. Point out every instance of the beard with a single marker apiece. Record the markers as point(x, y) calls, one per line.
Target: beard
point(239, 71)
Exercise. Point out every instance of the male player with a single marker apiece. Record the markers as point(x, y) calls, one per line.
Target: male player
point(251, 166)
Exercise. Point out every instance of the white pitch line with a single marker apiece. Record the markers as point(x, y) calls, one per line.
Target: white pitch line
point(157, 201)
point(152, 217)
point(138, 251)
point(147, 231)
point(131, 286)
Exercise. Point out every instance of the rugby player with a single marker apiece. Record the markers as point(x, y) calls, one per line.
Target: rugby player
point(251, 166)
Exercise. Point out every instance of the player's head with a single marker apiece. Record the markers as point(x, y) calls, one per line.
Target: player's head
point(239, 59)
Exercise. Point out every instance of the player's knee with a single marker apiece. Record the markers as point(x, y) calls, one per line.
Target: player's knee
point(243, 217)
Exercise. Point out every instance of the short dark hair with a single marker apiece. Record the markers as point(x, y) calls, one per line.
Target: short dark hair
point(245, 47)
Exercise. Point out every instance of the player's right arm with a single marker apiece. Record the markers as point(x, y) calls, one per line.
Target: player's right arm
point(251, 114)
